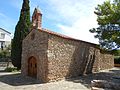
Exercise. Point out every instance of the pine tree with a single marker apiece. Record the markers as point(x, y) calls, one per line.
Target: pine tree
point(108, 18)
point(21, 31)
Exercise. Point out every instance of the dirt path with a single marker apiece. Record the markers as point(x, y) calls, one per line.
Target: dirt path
point(14, 81)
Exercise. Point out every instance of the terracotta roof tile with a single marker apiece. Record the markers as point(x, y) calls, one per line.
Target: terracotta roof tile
point(64, 36)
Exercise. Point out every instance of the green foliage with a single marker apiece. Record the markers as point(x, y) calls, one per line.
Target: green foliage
point(117, 56)
point(116, 52)
point(21, 31)
point(5, 53)
point(108, 18)
point(11, 69)
point(117, 60)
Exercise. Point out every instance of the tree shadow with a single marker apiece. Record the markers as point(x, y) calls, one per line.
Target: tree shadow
point(16, 79)
point(111, 76)
point(82, 61)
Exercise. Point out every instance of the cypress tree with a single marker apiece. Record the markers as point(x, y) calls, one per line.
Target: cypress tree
point(21, 31)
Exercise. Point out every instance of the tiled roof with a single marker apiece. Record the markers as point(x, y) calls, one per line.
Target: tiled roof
point(64, 36)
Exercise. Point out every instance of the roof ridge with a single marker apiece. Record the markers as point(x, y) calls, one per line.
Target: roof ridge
point(5, 30)
point(63, 36)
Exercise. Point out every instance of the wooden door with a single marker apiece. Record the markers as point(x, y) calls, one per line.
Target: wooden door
point(32, 67)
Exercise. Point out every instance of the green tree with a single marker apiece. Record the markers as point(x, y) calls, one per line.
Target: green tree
point(108, 18)
point(21, 31)
point(5, 53)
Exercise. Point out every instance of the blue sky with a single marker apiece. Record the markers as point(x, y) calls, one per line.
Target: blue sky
point(70, 17)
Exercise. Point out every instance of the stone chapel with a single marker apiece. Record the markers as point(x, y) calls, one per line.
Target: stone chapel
point(49, 56)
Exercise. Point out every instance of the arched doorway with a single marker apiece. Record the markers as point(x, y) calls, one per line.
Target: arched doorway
point(32, 67)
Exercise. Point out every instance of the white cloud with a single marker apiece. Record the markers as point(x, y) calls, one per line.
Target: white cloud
point(80, 29)
point(66, 9)
point(79, 15)
point(73, 17)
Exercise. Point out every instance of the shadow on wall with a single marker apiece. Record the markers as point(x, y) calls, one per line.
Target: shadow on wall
point(82, 61)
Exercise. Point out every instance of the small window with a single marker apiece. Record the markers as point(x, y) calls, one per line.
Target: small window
point(2, 36)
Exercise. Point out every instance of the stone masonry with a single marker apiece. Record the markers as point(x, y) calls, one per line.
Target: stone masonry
point(59, 56)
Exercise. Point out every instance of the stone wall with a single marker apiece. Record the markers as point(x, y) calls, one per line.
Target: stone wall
point(59, 57)
point(71, 58)
point(106, 61)
point(35, 44)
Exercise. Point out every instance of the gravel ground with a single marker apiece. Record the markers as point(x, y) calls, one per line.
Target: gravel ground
point(14, 81)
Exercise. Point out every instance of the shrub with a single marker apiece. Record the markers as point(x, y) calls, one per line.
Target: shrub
point(11, 69)
point(117, 60)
